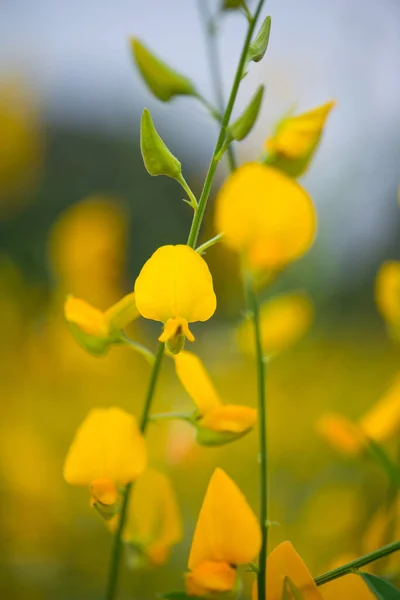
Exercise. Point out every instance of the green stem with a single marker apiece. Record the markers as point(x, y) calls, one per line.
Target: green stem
point(145, 352)
point(192, 197)
point(203, 247)
point(213, 56)
point(253, 307)
point(358, 563)
point(117, 545)
point(199, 214)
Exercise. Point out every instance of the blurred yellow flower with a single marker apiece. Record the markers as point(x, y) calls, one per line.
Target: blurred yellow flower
point(216, 423)
point(154, 522)
point(108, 450)
point(296, 139)
point(387, 295)
point(95, 330)
point(380, 424)
point(288, 574)
point(284, 320)
point(175, 287)
point(266, 216)
point(227, 534)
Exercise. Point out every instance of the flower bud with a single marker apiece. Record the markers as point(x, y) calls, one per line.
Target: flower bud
point(157, 159)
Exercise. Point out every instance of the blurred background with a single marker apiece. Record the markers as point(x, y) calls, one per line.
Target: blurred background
point(79, 214)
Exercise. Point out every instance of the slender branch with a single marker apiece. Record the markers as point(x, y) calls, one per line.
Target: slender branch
point(253, 308)
point(213, 56)
point(192, 197)
point(117, 545)
point(145, 352)
point(358, 563)
point(203, 247)
point(198, 217)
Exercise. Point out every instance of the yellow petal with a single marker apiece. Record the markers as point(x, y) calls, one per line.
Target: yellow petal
point(122, 313)
point(227, 530)
point(196, 381)
point(296, 136)
point(284, 320)
point(175, 282)
point(210, 577)
point(108, 445)
point(154, 520)
point(230, 417)
point(341, 433)
point(382, 421)
point(265, 214)
point(89, 319)
point(175, 332)
point(387, 292)
point(349, 587)
point(282, 563)
point(103, 491)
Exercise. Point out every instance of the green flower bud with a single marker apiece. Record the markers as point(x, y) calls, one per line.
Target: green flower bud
point(164, 82)
point(244, 124)
point(157, 159)
point(208, 437)
point(98, 346)
point(259, 45)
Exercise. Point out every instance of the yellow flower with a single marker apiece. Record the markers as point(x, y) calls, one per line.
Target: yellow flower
point(387, 295)
point(284, 320)
point(154, 523)
point(296, 139)
point(108, 450)
point(266, 216)
point(227, 534)
point(175, 287)
point(95, 330)
point(286, 573)
point(216, 423)
point(380, 424)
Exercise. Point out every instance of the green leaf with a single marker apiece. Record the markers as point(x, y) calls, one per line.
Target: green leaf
point(391, 469)
point(157, 159)
point(382, 589)
point(164, 82)
point(231, 4)
point(259, 45)
point(244, 124)
point(291, 591)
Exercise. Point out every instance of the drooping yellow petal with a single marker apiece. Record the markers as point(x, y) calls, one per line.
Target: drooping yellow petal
point(282, 563)
point(387, 292)
point(122, 313)
point(175, 282)
point(341, 433)
point(108, 445)
point(230, 418)
point(175, 332)
point(103, 491)
point(296, 136)
point(210, 577)
point(196, 381)
point(349, 587)
point(227, 530)
point(89, 319)
point(266, 215)
point(284, 320)
point(382, 421)
point(154, 520)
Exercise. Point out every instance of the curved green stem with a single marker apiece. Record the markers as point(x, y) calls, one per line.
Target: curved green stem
point(117, 546)
point(358, 563)
point(213, 56)
point(145, 352)
point(203, 247)
point(254, 310)
point(192, 197)
point(199, 214)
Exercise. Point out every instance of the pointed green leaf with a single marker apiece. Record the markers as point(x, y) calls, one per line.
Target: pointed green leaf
point(244, 124)
point(157, 159)
point(291, 591)
point(164, 82)
point(382, 589)
point(259, 45)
